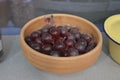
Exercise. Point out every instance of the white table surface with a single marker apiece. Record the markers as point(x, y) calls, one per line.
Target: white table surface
point(16, 67)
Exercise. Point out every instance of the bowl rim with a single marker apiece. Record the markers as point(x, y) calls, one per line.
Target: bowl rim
point(61, 58)
point(106, 23)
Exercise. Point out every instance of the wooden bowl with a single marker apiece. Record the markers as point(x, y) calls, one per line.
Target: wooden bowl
point(61, 65)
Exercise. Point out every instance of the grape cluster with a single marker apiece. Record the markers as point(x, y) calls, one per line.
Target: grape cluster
point(60, 41)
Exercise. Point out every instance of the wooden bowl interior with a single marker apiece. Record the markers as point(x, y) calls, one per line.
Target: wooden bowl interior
point(84, 25)
point(56, 64)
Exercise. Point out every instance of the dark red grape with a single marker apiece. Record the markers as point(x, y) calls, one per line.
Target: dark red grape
point(60, 41)
point(47, 48)
point(87, 37)
point(92, 44)
point(35, 46)
point(59, 46)
point(73, 52)
point(55, 53)
point(70, 36)
point(82, 42)
point(59, 27)
point(34, 35)
point(46, 38)
point(77, 36)
point(39, 41)
point(74, 30)
point(68, 27)
point(65, 53)
point(54, 32)
point(39, 32)
point(48, 20)
point(63, 31)
point(69, 43)
point(44, 30)
point(28, 39)
point(80, 47)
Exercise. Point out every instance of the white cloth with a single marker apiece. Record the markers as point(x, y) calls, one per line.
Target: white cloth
point(16, 67)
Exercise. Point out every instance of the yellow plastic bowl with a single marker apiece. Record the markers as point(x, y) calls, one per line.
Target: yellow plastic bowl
point(112, 29)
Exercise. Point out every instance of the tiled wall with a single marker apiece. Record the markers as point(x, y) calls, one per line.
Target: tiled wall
point(18, 12)
point(93, 10)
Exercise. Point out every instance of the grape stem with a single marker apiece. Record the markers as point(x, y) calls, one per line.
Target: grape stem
point(49, 19)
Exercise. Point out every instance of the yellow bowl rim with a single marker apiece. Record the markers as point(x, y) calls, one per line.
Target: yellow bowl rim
point(106, 24)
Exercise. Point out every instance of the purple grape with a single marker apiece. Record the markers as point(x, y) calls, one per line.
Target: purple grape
point(87, 37)
point(68, 27)
point(46, 38)
point(59, 46)
point(69, 43)
point(54, 32)
point(59, 27)
point(48, 20)
point(39, 41)
point(47, 48)
point(60, 41)
point(77, 36)
point(39, 32)
point(80, 47)
point(82, 42)
point(46, 28)
point(65, 53)
point(74, 30)
point(73, 52)
point(63, 31)
point(55, 53)
point(92, 44)
point(35, 46)
point(34, 35)
point(28, 39)
point(70, 36)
